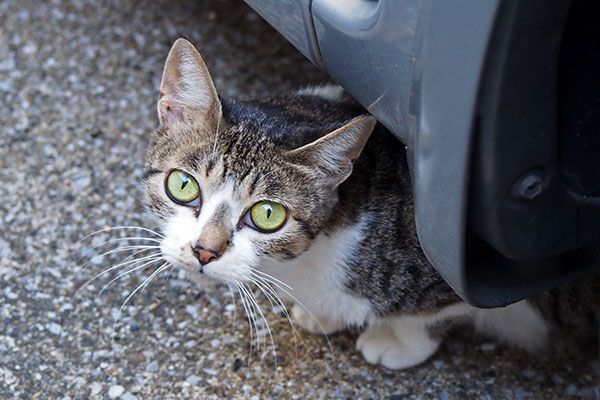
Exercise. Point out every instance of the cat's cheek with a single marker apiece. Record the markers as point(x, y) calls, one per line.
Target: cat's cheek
point(287, 245)
point(227, 273)
point(176, 255)
point(175, 247)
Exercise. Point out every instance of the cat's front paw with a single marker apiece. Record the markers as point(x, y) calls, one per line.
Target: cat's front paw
point(380, 344)
point(313, 323)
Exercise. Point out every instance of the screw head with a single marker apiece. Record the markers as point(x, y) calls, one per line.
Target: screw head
point(529, 185)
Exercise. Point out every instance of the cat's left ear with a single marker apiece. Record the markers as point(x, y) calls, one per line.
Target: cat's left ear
point(187, 91)
point(333, 154)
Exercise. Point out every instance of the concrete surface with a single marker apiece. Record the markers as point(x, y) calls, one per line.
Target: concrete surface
point(78, 84)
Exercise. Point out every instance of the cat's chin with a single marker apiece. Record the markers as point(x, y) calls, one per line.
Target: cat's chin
point(201, 279)
point(204, 279)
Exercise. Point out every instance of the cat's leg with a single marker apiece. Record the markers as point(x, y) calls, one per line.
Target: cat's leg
point(315, 323)
point(405, 341)
point(519, 323)
point(396, 343)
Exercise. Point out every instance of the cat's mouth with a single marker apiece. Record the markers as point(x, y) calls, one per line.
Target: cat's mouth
point(200, 277)
point(194, 271)
point(202, 274)
point(191, 267)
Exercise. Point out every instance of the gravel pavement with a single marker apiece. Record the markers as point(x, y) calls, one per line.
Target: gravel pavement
point(78, 85)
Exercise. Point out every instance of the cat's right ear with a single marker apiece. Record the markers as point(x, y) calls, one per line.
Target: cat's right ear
point(187, 91)
point(334, 154)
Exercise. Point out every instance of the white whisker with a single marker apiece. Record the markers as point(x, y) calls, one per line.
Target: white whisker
point(267, 325)
point(232, 302)
point(125, 239)
point(122, 264)
point(114, 228)
point(304, 307)
point(140, 249)
point(120, 250)
point(169, 274)
point(254, 314)
point(272, 296)
point(265, 275)
point(253, 299)
point(117, 240)
point(249, 321)
point(141, 286)
point(217, 132)
point(136, 268)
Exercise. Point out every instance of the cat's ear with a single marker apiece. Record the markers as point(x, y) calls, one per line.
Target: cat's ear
point(334, 153)
point(187, 91)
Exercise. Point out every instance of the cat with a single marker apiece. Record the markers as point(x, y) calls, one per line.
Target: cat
point(307, 194)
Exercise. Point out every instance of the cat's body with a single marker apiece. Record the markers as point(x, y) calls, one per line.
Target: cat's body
point(346, 245)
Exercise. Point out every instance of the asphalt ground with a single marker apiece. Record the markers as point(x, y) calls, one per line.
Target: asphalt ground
point(78, 85)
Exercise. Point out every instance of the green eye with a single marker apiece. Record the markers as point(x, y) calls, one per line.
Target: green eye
point(268, 216)
point(181, 187)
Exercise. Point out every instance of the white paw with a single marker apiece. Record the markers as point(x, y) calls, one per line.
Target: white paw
point(380, 345)
point(314, 324)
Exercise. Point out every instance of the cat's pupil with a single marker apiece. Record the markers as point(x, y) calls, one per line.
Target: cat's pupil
point(184, 183)
point(269, 212)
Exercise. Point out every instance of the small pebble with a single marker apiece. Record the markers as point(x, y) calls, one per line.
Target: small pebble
point(193, 379)
point(488, 346)
point(522, 394)
point(128, 396)
point(191, 310)
point(95, 388)
point(237, 364)
point(152, 367)
point(4, 246)
point(54, 328)
point(115, 391)
point(83, 182)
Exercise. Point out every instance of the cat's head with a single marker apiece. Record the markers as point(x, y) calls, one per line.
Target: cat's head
point(226, 194)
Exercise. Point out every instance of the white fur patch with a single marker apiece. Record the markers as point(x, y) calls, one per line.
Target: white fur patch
point(404, 341)
point(328, 92)
point(519, 324)
point(318, 275)
point(176, 246)
point(323, 325)
point(397, 343)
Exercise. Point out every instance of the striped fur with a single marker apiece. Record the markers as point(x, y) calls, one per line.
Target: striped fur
point(349, 248)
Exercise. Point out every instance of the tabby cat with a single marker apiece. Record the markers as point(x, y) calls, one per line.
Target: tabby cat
point(305, 193)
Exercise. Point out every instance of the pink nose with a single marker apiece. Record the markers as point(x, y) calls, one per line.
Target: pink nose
point(203, 255)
